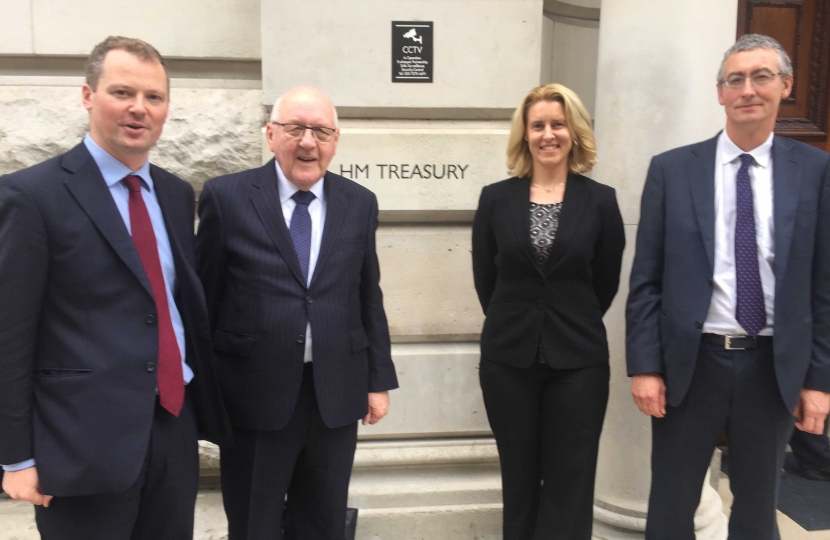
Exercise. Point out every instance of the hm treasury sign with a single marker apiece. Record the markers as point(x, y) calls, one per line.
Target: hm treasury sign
point(411, 51)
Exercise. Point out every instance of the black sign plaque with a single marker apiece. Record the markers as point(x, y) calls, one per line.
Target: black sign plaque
point(411, 51)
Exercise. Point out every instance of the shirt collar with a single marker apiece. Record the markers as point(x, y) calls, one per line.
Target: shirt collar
point(113, 170)
point(288, 189)
point(729, 151)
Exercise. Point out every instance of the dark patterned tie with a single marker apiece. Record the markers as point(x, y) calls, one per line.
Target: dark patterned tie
point(750, 311)
point(301, 229)
point(170, 379)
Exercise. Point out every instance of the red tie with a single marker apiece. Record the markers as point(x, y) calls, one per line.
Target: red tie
point(170, 378)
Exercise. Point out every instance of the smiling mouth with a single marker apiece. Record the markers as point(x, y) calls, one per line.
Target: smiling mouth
point(135, 127)
point(550, 147)
point(306, 159)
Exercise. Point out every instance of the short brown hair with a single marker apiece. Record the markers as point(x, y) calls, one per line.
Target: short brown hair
point(137, 47)
point(583, 154)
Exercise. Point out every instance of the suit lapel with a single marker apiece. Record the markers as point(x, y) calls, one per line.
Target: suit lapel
point(519, 205)
point(701, 178)
point(265, 196)
point(88, 187)
point(336, 206)
point(786, 182)
point(573, 204)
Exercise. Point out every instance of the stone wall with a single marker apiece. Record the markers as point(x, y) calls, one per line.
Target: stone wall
point(208, 131)
point(429, 470)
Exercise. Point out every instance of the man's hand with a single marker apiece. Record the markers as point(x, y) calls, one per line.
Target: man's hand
point(378, 407)
point(649, 391)
point(24, 485)
point(811, 411)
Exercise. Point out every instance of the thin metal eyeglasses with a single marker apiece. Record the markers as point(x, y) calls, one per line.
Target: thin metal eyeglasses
point(760, 78)
point(297, 131)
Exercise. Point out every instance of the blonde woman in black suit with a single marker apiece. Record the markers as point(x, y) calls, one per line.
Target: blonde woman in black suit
point(547, 249)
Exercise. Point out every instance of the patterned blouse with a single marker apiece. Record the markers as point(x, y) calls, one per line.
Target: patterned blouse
point(544, 220)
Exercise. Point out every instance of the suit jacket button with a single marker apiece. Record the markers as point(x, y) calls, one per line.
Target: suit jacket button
point(540, 304)
point(301, 339)
point(150, 319)
point(698, 324)
point(151, 366)
point(309, 300)
point(540, 280)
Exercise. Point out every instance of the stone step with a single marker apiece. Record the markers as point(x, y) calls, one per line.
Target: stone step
point(404, 490)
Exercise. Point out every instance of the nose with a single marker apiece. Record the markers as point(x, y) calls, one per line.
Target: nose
point(748, 88)
point(138, 105)
point(307, 140)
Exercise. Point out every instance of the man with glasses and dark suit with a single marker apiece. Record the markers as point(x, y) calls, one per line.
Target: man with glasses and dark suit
point(286, 253)
point(728, 316)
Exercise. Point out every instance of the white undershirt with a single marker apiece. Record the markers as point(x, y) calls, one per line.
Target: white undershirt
point(721, 316)
point(317, 212)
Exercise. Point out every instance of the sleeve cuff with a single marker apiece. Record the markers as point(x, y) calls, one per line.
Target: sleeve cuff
point(19, 466)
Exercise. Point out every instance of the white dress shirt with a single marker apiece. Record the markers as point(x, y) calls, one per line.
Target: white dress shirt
point(317, 212)
point(721, 316)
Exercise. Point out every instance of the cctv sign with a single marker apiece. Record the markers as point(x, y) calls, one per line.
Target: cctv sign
point(411, 51)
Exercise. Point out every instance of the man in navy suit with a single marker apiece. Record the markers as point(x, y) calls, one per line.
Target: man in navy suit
point(286, 253)
point(105, 350)
point(728, 318)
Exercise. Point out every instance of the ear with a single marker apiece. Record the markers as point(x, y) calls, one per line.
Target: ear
point(270, 136)
point(720, 94)
point(788, 86)
point(86, 96)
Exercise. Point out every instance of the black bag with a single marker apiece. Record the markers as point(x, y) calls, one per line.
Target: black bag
point(351, 523)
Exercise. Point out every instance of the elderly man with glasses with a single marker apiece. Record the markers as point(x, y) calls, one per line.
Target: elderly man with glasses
point(286, 253)
point(728, 316)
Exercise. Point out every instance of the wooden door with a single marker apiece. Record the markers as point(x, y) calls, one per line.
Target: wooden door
point(803, 29)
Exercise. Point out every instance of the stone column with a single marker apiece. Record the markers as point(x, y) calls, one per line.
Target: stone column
point(655, 90)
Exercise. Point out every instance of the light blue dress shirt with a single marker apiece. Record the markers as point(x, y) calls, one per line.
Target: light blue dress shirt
point(317, 212)
point(114, 172)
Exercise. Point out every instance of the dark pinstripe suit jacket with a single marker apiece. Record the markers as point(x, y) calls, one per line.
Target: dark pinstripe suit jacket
point(259, 304)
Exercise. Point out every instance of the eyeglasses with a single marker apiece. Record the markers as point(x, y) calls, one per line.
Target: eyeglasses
point(738, 80)
point(297, 131)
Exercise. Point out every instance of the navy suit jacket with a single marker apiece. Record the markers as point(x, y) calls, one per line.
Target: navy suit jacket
point(671, 280)
point(77, 327)
point(562, 302)
point(259, 303)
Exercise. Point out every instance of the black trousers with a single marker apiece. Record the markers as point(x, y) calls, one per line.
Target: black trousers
point(159, 506)
point(737, 389)
point(291, 483)
point(547, 424)
point(811, 451)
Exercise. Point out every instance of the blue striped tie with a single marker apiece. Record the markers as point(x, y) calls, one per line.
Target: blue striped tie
point(301, 229)
point(750, 311)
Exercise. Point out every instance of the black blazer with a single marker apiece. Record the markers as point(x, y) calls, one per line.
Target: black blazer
point(671, 285)
point(75, 333)
point(561, 303)
point(259, 304)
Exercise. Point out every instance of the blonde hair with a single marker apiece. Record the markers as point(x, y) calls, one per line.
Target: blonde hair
point(583, 155)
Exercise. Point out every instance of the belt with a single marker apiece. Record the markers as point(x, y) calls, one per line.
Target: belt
point(738, 343)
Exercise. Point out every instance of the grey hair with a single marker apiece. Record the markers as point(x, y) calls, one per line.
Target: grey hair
point(275, 110)
point(95, 63)
point(750, 42)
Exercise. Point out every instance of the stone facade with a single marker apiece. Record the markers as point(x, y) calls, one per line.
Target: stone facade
point(429, 470)
point(208, 131)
